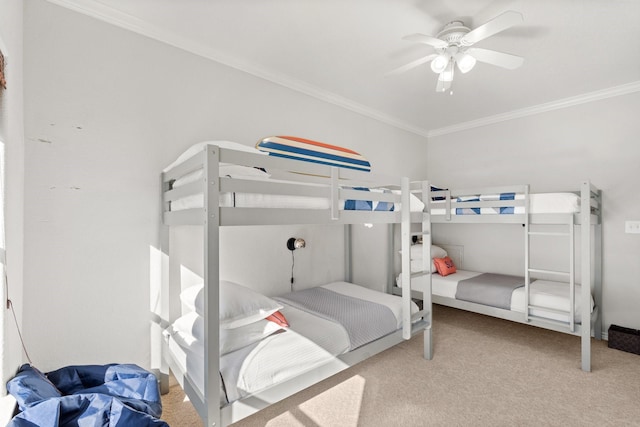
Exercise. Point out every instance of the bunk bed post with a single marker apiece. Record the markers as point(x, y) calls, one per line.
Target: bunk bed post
point(348, 254)
point(335, 193)
point(572, 275)
point(427, 303)
point(527, 247)
point(597, 267)
point(161, 313)
point(212, 288)
point(405, 235)
point(587, 279)
point(390, 258)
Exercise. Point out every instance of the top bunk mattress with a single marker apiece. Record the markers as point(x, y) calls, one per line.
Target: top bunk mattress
point(539, 203)
point(279, 201)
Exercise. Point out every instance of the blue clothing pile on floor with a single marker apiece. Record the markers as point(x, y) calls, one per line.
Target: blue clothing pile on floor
point(92, 395)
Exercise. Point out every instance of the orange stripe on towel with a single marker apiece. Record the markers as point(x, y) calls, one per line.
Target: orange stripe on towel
point(320, 144)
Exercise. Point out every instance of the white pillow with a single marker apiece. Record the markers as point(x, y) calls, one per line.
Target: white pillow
point(187, 342)
point(188, 331)
point(416, 266)
point(416, 251)
point(196, 148)
point(436, 251)
point(191, 324)
point(239, 305)
point(233, 339)
point(233, 171)
point(193, 298)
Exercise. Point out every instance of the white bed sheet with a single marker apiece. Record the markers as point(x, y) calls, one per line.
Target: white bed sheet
point(553, 295)
point(538, 203)
point(261, 200)
point(190, 363)
point(543, 293)
point(313, 342)
point(254, 200)
point(309, 342)
point(271, 201)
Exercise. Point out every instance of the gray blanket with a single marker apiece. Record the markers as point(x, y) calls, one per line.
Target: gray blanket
point(364, 321)
point(489, 289)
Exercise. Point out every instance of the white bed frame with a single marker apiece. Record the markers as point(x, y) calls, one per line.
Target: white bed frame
point(587, 222)
point(328, 182)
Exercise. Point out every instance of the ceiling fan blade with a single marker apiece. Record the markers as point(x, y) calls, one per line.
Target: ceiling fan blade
point(431, 41)
point(499, 59)
point(412, 64)
point(494, 26)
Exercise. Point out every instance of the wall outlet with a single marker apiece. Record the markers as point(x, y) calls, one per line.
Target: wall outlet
point(632, 227)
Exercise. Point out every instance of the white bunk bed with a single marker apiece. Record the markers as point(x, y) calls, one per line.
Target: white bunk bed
point(556, 305)
point(217, 187)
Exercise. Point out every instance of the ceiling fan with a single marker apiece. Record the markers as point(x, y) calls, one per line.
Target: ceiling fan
point(453, 47)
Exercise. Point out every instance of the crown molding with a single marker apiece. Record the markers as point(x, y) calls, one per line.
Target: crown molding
point(108, 14)
point(541, 108)
point(102, 12)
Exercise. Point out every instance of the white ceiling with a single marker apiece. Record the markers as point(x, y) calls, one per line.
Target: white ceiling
point(341, 51)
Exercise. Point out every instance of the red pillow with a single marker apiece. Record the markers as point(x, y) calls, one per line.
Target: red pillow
point(444, 266)
point(279, 319)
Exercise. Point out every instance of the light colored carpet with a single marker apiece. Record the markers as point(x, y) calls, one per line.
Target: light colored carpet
point(485, 372)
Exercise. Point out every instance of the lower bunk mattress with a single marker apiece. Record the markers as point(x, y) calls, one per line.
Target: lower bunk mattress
point(543, 293)
point(311, 339)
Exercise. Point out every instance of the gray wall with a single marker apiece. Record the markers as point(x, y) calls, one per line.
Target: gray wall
point(106, 110)
point(553, 151)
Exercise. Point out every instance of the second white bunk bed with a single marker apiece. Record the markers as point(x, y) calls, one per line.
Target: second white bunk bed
point(214, 187)
point(563, 305)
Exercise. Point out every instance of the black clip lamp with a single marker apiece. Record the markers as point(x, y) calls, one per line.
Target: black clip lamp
point(295, 243)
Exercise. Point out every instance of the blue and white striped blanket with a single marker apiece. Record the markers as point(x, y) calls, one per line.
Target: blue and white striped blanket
point(500, 210)
point(369, 205)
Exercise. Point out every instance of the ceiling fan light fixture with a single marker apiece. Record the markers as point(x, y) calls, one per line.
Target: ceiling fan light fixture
point(440, 63)
point(447, 74)
point(453, 48)
point(465, 62)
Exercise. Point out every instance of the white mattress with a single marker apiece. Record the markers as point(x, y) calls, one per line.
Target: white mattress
point(261, 200)
point(309, 342)
point(543, 293)
point(271, 201)
point(538, 203)
point(274, 359)
point(255, 200)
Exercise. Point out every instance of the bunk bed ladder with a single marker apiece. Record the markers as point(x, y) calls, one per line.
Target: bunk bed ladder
point(566, 275)
point(426, 266)
point(407, 288)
